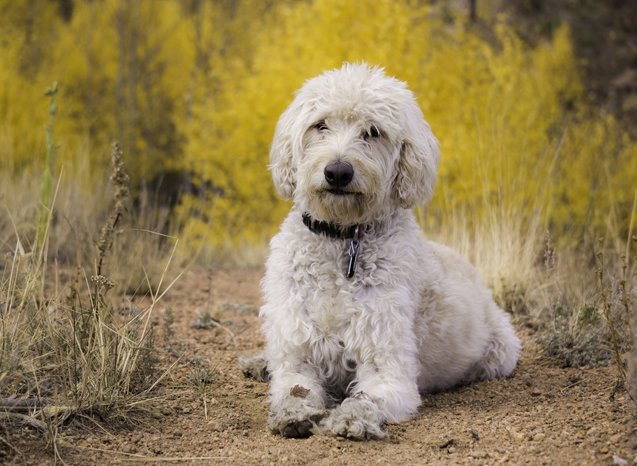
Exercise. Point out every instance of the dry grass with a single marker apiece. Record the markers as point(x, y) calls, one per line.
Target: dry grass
point(578, 298)
point(632, 358)
point(504, 247)
point(64, 352)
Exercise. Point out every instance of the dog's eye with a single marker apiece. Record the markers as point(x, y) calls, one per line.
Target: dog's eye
point(320, 126)
point(372, 132)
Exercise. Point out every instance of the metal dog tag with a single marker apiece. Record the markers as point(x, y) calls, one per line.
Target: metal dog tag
point(354, 246)
point(353, 255)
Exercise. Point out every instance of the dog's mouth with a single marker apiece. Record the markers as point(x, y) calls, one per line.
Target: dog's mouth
point(340, 192)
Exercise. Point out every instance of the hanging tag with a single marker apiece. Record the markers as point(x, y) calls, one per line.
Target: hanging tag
point(353, 255)
point(352, 251)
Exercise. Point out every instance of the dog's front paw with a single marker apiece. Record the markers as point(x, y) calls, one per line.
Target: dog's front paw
point(356, 418)
point(295, 418)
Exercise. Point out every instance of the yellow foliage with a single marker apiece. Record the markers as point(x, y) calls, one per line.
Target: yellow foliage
point(595, 179)
point(198, 86)
point(120, 66)
point(22, 131)
point(493, 111)
point(497, 105)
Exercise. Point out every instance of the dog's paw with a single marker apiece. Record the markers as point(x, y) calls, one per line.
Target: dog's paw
point(254, 367)
point(356, 418)
point(296, 418)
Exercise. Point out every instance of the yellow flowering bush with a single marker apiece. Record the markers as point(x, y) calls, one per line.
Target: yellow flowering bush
point(198, 87)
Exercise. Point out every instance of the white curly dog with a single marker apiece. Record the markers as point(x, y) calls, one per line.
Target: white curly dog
point(361, 313)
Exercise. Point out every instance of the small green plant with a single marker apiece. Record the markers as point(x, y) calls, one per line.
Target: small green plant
point(202, 376)
point(46, 180)
point(576, 309)
point(201, 379)
point(205, 321)
point(574, 338)
point(169, 320)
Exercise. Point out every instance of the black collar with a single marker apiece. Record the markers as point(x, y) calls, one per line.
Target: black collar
point(331, 230)
point(351, 233)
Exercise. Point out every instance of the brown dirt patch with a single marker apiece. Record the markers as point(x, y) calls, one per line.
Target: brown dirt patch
point(544, 414)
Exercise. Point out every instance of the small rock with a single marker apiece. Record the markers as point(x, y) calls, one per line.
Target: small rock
point(528, 380)
point(479, 454)
point(215, 426)
point(539, 437)
point(515, 435)
point(619, 460)
point(448, 443)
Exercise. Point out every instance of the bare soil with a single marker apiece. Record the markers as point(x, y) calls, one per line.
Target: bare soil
point(543, 414)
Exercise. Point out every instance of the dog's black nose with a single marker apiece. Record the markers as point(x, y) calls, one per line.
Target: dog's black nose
point(339, 174)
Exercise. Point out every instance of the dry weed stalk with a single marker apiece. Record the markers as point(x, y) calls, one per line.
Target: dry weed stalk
point(629, 302)
point(120, 180)
point(607, 303)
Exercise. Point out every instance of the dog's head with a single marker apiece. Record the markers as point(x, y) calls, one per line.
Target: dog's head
point(354, 146)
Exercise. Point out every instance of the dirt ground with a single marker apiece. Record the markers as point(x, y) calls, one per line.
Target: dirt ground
point(211, 414)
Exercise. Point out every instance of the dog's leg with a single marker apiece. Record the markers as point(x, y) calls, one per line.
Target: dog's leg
point(384, 397)
point(296, 400)
point(385, 388)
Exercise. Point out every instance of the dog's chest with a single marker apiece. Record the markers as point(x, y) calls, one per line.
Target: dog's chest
point(334, 318)
point(329, 302)
point(331, 316)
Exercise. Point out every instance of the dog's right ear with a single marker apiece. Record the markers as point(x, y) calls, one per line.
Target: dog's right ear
point(282, 159)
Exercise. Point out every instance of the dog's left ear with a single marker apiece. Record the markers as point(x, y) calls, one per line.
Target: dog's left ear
point(418, 163)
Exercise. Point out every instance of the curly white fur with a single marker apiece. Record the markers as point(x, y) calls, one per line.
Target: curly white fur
point(347, 355)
